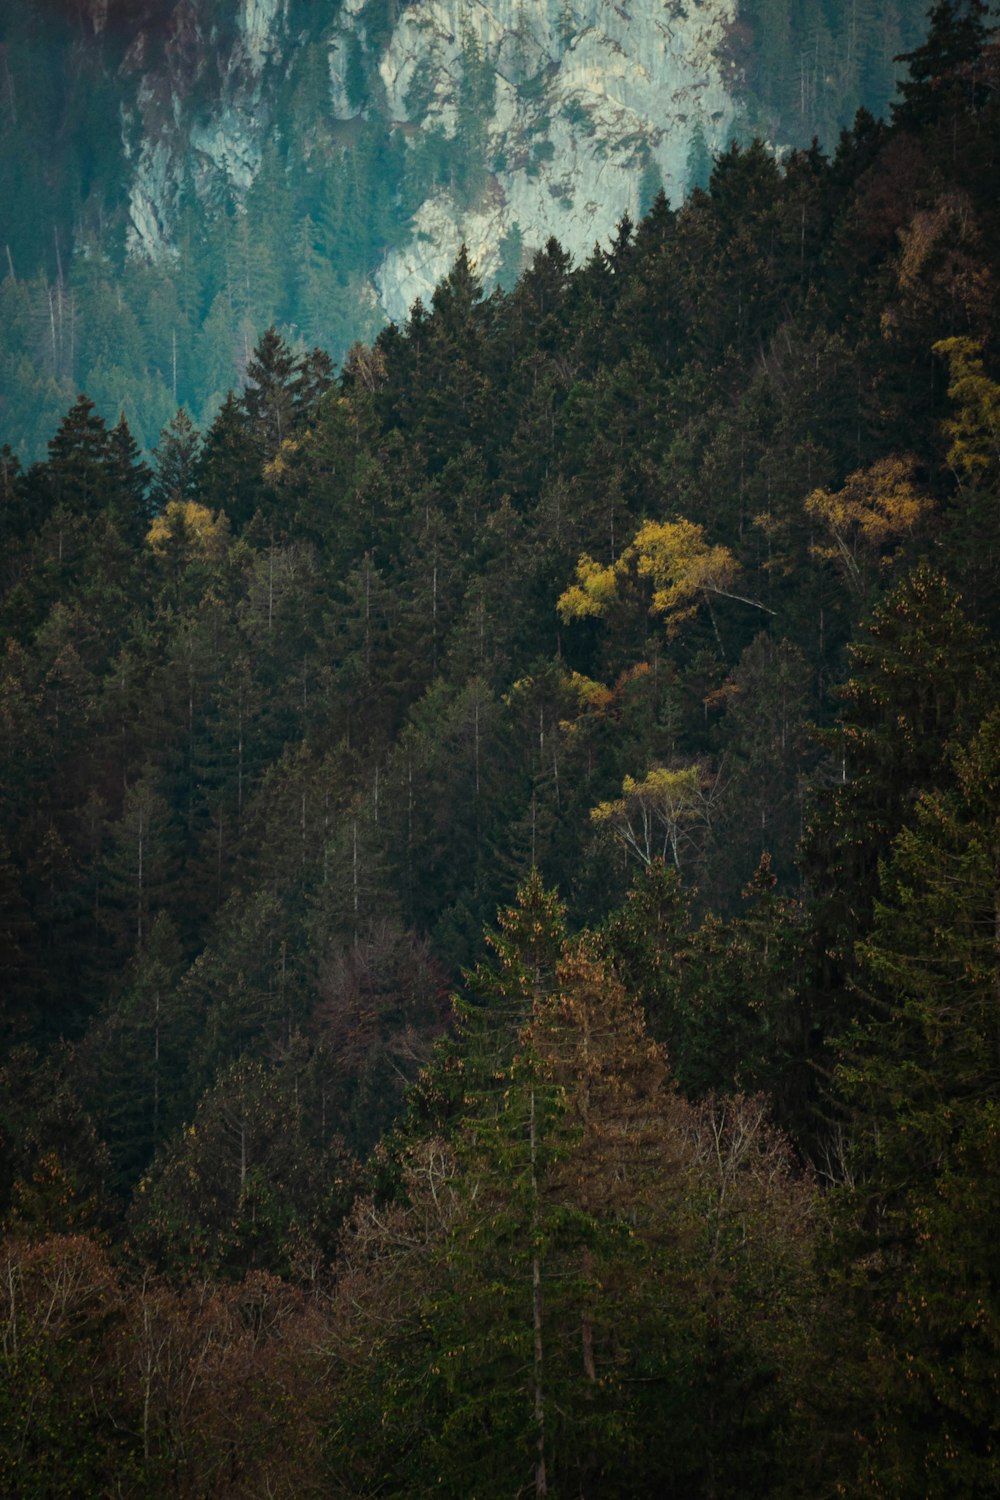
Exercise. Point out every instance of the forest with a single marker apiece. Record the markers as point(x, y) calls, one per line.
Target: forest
point(499, 858)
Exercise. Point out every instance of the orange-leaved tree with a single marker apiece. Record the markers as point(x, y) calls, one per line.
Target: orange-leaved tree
point(876, 509)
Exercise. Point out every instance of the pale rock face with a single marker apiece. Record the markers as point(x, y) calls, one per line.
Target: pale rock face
point(153, 187)
point(337, 58)
point(232, 145)
point(229, 143)
point(260, 26)
point(621, 83)
point(603, 87)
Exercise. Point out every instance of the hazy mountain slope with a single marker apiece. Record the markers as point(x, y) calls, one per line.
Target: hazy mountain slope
point(178, 174)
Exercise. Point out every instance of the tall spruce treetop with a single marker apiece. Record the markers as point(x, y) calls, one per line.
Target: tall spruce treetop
point(313, 376)
point(917, 683)
point(269, 398)
point(78, 454)
point(456, 296)
point(945, 74)
point(13, 510)
point(176, 458)
point(129, 481)
point(527, 948)
point(227, 471)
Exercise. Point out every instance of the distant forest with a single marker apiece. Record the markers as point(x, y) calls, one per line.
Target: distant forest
point(330, 198)
point(499, 856)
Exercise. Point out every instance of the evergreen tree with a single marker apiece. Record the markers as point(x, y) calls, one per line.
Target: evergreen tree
point(699, 161)
point(76, 472)
point(917, 684)
point(945, 75)
point(176, 461)
point(922, 1080)
point(227, 470)
point(238, 1188)
point(136, 1058)
point(562, 1265)
point(268, 399)
point(129, 480)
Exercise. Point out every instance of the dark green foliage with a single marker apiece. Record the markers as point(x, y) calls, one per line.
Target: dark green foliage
point(176, 461)
point(227, 472)
point(283, 724)
point(251, 1181)
point(55, 1166)
point(572, 1257)
point(945, 76)
point(699, 160)
point(922, 1080)
point(918, 681)
point(724, 997)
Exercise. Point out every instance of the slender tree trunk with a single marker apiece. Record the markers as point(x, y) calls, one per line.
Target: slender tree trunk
point(239, 758)
point(138, 912)
point(541, 1484)
point(156, 1067)
point(354, 875)
point(147, 1384)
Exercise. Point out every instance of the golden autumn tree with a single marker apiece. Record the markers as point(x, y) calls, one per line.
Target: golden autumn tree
point(202, 532)
point(973, 434)
point(876, 509)
point(685, 570)
point(186, 534)
point(974, 429)
point(667, 815)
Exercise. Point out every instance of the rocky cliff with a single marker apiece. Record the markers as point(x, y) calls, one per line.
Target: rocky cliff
point(571, 111)
point(177, 175)
point(594, 103)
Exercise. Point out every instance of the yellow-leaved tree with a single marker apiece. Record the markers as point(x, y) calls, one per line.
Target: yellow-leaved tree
point(667, 815)
point(876, 508)
point(974, 429)
point(185, 521)
point(684, 568)
point(185, 533)
point(973, 433)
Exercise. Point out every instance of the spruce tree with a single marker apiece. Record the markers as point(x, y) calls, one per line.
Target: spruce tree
point(922, 1080)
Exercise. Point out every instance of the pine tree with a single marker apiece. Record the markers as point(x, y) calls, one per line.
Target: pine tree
point(698, 167)
point(129, 480)
point(526, 945)
point(268, 398)
point(78, 454)
point(237, 1187)
point(917, 683)
point(922, 1080)
point(176, 461)
point(227, 472)
point(136, 1057)
point(579, 1237)
point(946, 75)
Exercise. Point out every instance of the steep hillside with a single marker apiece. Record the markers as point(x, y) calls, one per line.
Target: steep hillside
point(498, 874)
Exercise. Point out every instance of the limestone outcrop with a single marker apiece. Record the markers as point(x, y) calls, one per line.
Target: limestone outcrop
point(574, 111)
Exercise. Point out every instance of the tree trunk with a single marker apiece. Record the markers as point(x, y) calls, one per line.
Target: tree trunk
point(541, 1485)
